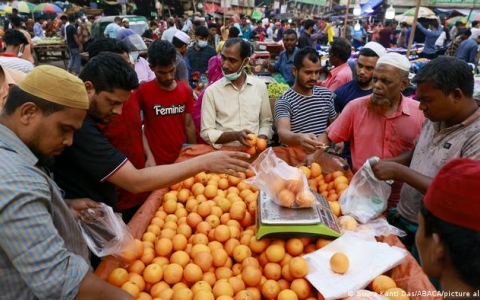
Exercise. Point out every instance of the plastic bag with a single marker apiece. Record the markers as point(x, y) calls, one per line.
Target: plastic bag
point(286, 185)
point(376, 227)
point(366, 196)
point(106, 233)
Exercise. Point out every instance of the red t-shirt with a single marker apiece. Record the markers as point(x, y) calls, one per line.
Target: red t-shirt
point(125, 134)
point(164, 118)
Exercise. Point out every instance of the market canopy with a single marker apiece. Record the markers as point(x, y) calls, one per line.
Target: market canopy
point(473, 17)
point(22, 6)
point(409, 15)
point(47, 8)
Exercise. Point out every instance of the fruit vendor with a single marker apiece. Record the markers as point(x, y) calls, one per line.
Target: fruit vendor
point(384, 124)
point(304, 111)
point(237, 104)
point(452, 129)
point(284, 63)
point(448, 229)
point(43, 252)
point(92, 167)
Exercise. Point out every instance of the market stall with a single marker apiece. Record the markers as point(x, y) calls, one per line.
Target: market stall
point(408, 275)
point(50, 49)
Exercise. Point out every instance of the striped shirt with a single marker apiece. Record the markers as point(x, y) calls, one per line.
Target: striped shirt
point(42, 253)
point(307, 114)
point(16, 63)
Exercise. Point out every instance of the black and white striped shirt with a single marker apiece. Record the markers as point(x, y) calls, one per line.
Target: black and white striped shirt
point(307, 114)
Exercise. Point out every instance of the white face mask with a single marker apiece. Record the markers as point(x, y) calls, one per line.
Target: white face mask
point(135, 55)
point(234, 76)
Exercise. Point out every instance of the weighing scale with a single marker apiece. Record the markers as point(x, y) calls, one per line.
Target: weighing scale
point(273, 220)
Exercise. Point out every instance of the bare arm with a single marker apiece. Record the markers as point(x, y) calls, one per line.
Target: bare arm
point(190, 129)
point(403, 159)
point(232, 136)
point(149, 179)
point(92, 287)
point(306, 140)
point(149, 159)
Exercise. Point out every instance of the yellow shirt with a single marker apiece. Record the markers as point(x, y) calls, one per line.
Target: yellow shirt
point(227, 109)
point(8, 78)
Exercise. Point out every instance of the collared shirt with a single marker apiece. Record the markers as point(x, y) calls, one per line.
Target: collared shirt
point(284, 66)
point(337, 77)
point(10, 78)
point(198, 58)
point(16, 63)
point(144, 73)
point(452, 49)
point(431, 37)
point(43, 254)
point(168, 34)
point(111, 30)
point(467, 51)
point(435, 147)
point(226, 109)
point(38, 30)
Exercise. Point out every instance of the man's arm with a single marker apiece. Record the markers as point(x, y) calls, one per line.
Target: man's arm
point(77, 40)
point(190, 129)
point(266, 118)
point(472, 57)
point(149, 179)
point(308, 141)
point(149, 158)
point(93, 288)
point(208, 130)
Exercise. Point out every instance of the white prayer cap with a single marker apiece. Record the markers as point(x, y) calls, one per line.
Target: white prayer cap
point(394, 59)
point(182, 36)
point(376, 47)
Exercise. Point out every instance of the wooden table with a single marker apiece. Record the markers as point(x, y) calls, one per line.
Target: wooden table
point(51, 52)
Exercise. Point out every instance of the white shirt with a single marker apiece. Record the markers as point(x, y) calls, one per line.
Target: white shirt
point(16, 63)
point(168, 34)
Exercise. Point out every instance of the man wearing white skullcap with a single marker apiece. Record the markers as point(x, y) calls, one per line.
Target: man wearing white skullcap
point(181, 41)
point(383, 124)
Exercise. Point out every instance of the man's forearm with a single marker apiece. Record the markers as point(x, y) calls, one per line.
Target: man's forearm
point(403, 159)
point(289, 138)
point(227, 137)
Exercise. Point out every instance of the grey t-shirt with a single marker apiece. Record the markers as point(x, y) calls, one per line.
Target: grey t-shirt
point(181, 73)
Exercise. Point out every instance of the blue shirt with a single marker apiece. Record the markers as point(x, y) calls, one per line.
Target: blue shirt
point(246, 32)
point(431, 37)
point(348, 92)
point(284, 66)
point(467, 51)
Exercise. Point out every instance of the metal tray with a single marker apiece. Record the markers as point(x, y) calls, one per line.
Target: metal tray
point(273, 213)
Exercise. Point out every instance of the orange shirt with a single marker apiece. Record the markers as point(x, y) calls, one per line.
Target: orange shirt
point(8, 77)
point(337, 77)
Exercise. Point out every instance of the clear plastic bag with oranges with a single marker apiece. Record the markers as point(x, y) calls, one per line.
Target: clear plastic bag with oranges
point(286, 185)
point(105, 232)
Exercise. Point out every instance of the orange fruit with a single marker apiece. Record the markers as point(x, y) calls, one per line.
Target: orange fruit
point(258, 246)
point(223, 273)
point(163, 247)
point(204, 260)
point(275, 253)
point(229, 245)
point(286, 273)
point(252, 139)
point(173, 273)
point(339, 263)
point(301, 287)
point(200, 286)
point(204, 227)
point(165, 294)
point(341, 187)
point(298, 267)
point(183, 293)
point(382, 283)
point(213, 219)
point(157, 288)
point(210, 191)
point(118, 277)
point(204, 209)
point(187, 183)
point(306, 171)
point(270, 289)
point(305, 199)
point(294, 185)
point(261, 145)
point(131, 288)
point(237, 284)
point(287, 294)
point(222, 233)
point(144, 296)
point(241, 252)
point(192, 273)
point(148, 255)
point(179, 242)
point(294, 246)
point(315, 170)
point(272, 271)
point(222, 288)
point(136, 267)
point(161, 261)
point(170, 206)
point(250, 150)
point(286, 198)
point(153, 273)
point(237, 211)
point(251, 276)
point(322, 242)
point(336, 209)
point(193, 219)
point(180, 257)
point(198, 248)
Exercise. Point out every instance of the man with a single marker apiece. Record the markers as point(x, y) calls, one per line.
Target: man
point(37, 28)
point(167, 105)
point(284, 63)
point(475, 30)
point(338, 54)
point(63, 27)
point(306, 39)
point(15, 43)
point(431, 36)
point(199, 54)
point(168, 34)
point(7, 24)
point(362, 85)
point(187, 25)
point(237, 104)
point(358, 36)
point(43, 252)
point(8, 79)
point(150, 33)
point(75, 47)
point(468, 49)
point(259, 32)
point(125, 23)
point(303, 112)
point(181, 40)
point(93, 168)
point(246, 30)
point(16, 23)
point(454, 32)
point(448, 229)
point(452, 129)
point(462, 35)
point(384, 124)
point(213, 37)
point(84, 32)
point(404, 36)
point(112, 28)
point(385, 35)
point(279, 33)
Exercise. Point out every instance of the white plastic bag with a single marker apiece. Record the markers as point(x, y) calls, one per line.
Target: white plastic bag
point(105, 232)
point(366, 197)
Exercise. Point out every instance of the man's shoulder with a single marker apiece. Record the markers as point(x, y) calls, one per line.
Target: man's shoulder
point(257, 82)
point(345, 87)
point(322, 91)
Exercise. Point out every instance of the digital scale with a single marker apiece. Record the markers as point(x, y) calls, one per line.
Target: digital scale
point(274, 220)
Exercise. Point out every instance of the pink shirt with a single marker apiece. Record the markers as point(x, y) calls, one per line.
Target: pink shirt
point(338, 76)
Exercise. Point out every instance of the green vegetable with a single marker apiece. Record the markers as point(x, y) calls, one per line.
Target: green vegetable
point(275, 90)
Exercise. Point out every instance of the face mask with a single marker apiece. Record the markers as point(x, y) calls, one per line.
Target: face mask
point(134, 55)
point(202, 44)
point(234, 76)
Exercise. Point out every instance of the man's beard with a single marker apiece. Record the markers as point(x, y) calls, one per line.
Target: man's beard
point(379, 108)
point(364, 84)
point(94, 113)
point(43, 160)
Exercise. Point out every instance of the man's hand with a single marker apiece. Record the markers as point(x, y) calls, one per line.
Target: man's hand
point(78, 205)
point(310, 144)
point(242, 137)
point(385, 170)
point(228, 162)
point(339, 148)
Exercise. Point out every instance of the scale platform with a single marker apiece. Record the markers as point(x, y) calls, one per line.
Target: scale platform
point(273, 220)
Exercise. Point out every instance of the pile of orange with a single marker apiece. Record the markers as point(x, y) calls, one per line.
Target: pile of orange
point(257, 144)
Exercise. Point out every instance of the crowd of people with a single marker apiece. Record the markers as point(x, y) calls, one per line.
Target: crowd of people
point(113, 133)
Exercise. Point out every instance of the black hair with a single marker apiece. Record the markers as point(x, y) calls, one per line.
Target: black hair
point(153, 23)
point(178, 42)
point(233, 32)
point(104, 44)
point(447, 73)
point(459, 23)
point(463, 246)
point(212, 25)
point(308, 24)
point(64, 17)
point(290, 31)
point(367, 52)
point(108, 71)
point(117, 19)
point(72, 18)
point(243, 45)
point(13, 37)
point(16, 21)
point(474, 23)
point(161, 53)
point(307, 52)
point(341, 48)
point(17, 97)
point(197, 23)
point(201, 31)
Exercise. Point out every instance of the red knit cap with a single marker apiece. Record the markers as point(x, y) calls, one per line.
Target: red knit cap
point(453, 196)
